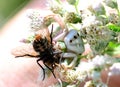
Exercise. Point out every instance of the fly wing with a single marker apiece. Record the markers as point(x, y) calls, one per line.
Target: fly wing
point(23, 50)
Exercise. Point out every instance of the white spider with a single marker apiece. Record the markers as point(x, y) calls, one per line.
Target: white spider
point(74, 44)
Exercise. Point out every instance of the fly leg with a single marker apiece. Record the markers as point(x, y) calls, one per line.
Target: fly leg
point(51, 69)
point(42, 68)
point(27, 55)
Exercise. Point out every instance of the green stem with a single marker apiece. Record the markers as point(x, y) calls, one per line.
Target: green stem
point(118, 12)
point(72, 26)
point(59, 1)
point(76, 8)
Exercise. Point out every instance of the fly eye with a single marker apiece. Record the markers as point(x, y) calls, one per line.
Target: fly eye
point(77, 34)
point(75, 37)
point(70, 41)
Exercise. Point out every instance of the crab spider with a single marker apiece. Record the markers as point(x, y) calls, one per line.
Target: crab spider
point(74, 45)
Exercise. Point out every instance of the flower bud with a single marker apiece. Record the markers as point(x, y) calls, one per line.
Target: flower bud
point(72, 2)
point(71, 17)
point(47, 21)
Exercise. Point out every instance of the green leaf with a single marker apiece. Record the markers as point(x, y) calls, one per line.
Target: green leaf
point(113, 48)
point(112, 3)
point(113, 27)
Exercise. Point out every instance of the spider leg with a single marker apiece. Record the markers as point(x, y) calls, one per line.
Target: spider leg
point(51, 69)
point(61, 60)
point(42, 68)
point(71, 55)
point(59, 52)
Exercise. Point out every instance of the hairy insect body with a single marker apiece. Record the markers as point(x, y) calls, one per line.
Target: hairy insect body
point(46, 51)
point(42, 48)
point(40, 44)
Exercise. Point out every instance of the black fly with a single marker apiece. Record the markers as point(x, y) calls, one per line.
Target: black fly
point(46, 53)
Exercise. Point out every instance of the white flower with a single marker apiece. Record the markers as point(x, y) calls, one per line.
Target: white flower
point(97, 37)
point(71, 86)
point(68, 8)
point(103, 60)
point(71, 75)
point(85, 67)
point(113, 17)
point(36, 19)
point(84, 70)
point(88, 20)
point(97, 8)
point(55, 6)
point(99, 60)
point(114, 69)
point(89, 84)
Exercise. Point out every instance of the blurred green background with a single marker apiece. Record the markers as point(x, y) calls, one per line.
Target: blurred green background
point(8, 8)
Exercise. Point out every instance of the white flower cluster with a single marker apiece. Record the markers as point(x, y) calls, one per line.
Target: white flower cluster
point(94, 84)
point(36, 19)
point(114, 18)
point(92, 69)
point(96, 35)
